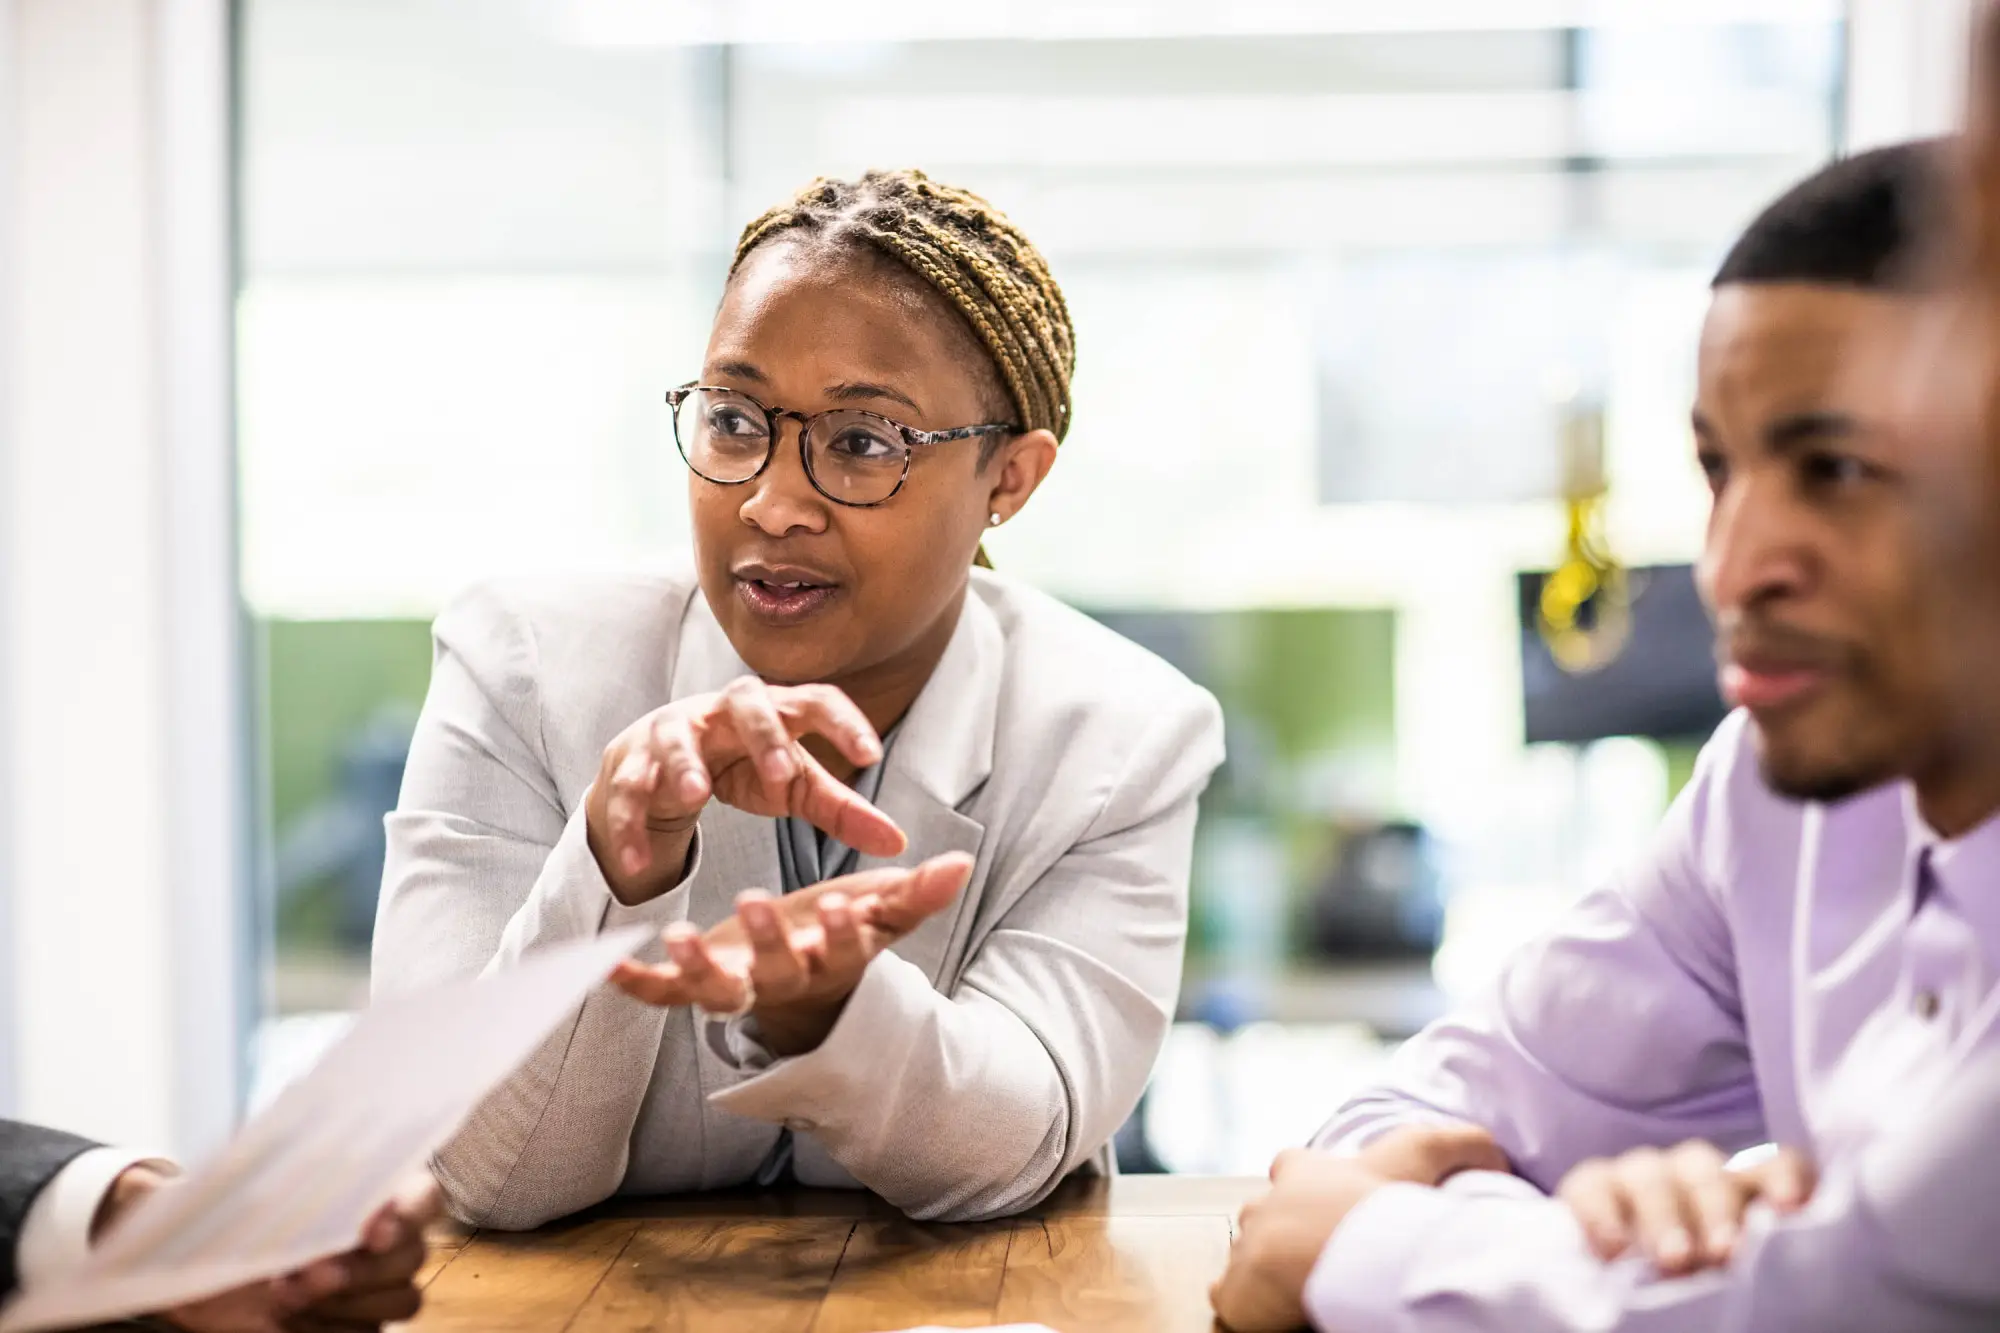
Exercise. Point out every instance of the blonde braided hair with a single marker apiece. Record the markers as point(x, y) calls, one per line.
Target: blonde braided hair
point(968, 252)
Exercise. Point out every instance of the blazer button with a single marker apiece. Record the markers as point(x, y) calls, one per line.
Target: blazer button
point(1927, 1005)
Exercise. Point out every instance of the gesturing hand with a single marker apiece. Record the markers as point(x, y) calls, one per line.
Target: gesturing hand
point(793, 961)
point(741, 746)
point(1682, 1208)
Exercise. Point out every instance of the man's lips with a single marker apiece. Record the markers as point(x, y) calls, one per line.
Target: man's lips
point(1766, 685)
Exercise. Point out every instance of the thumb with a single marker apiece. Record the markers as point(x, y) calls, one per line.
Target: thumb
point(1786, 1181)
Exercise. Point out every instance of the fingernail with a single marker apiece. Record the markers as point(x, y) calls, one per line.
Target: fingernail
point(690, 786)
point(635, 861)
point(1721, 1238)
point(870, 748)
point(1674, 1248)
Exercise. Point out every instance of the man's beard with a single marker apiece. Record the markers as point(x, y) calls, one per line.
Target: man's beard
point(1825, 783)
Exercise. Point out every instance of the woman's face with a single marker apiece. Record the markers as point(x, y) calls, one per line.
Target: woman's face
point(811, 590)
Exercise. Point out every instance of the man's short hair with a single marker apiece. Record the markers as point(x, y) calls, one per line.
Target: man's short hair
point(1866, 221)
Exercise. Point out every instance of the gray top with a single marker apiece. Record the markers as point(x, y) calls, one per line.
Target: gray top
point(806, 856)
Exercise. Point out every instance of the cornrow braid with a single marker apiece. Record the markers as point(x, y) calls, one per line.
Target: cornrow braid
point(967, 251)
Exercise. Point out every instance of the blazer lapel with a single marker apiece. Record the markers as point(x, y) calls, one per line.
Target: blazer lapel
point(942, 754)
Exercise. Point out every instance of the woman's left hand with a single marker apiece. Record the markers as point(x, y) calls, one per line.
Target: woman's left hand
point(793, 961)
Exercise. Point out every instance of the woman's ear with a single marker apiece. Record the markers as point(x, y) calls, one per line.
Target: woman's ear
point(1018, 470)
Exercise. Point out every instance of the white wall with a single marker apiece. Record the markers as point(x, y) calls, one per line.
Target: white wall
point(123, 756)
point(1906, 69)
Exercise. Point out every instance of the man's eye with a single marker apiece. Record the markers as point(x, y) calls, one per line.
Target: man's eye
point(1715, 468)
point(1836, 470)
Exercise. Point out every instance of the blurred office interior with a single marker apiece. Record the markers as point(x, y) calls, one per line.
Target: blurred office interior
point(1386, 321)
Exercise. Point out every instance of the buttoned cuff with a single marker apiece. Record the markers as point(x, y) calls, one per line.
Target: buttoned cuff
point(834, 1082)
point(55, 1235)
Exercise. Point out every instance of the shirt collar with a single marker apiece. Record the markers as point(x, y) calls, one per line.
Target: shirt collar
point(1965, 870)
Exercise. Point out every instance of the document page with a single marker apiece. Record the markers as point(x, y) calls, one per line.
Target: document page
point(300, 1180)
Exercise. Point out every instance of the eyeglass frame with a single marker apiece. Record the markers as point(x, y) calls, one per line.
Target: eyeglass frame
point(910, 435)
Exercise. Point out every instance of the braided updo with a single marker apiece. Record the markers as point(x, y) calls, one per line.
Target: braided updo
point(969, 253)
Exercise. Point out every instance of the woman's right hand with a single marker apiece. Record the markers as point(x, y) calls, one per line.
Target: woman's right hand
point(740, 746)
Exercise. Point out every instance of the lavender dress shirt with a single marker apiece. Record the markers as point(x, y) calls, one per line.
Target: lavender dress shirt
point(1818, 976)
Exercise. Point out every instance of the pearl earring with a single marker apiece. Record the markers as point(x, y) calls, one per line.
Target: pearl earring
point(993, 520)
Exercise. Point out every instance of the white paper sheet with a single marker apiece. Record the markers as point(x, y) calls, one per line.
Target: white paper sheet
point(302, 1178)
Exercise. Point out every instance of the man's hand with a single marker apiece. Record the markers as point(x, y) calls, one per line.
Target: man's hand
point(794, 960)
point(355, 1292)
point(741, 746)
point(1432, 1154)
point(1279, 1238)
point(1683, 1209)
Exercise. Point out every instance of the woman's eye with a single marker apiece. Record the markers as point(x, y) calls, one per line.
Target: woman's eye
point(860, 444)
point(734, 422)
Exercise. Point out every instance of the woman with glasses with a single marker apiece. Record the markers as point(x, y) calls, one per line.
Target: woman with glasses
point(915, 837)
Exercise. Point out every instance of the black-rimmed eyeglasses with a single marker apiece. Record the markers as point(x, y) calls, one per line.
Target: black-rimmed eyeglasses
point(851, 457)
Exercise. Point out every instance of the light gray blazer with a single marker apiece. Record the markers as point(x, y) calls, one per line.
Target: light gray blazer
point(994, 1051)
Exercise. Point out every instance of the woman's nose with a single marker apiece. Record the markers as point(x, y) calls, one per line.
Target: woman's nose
point(782, 498)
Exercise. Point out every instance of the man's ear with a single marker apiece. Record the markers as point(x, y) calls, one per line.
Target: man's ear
point(1018, 469)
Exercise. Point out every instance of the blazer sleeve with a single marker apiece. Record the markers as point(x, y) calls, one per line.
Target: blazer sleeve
point(485, 865)
point(1028, 1067)
point(1620, 1027)
point(30, 1158)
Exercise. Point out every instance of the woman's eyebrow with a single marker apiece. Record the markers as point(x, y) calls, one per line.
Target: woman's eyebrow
point(853, 389)
point(738, 370)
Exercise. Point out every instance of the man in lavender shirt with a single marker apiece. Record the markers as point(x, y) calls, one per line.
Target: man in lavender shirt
point(1809, 954)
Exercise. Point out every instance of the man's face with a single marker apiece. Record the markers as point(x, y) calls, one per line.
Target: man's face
point(1812, 567)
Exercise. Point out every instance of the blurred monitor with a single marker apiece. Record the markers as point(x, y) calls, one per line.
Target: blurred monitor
point(1662, 685)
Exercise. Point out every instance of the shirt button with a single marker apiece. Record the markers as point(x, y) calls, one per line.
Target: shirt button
point(1926, 1005)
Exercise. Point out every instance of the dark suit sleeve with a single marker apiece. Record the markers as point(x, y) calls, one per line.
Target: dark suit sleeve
point(30, 1157)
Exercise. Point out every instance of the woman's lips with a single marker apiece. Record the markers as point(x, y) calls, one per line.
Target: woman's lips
point(784, 603)
point(1758, 688)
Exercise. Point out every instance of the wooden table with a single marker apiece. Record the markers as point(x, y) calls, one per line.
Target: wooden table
point(1136, 1253)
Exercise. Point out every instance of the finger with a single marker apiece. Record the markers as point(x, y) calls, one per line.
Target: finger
point(378, 1303)
point(826, 710)
point(1285, 1161)
point(1712, 1199)
point(708, 983)
point(761, 732)
point(628, 796)
point(776, 968)
point(1659, 1221)
point(923, 891)
point(368, 1271)
point(1786, 1181)
point(1453, 1148)
point(1594, 1198)
point(845, 953)
point(684, 784)
point(661, 986)
point(827, 803)
point(419, 1200)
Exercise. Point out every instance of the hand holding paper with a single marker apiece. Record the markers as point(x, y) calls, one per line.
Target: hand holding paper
point(304, 1179)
